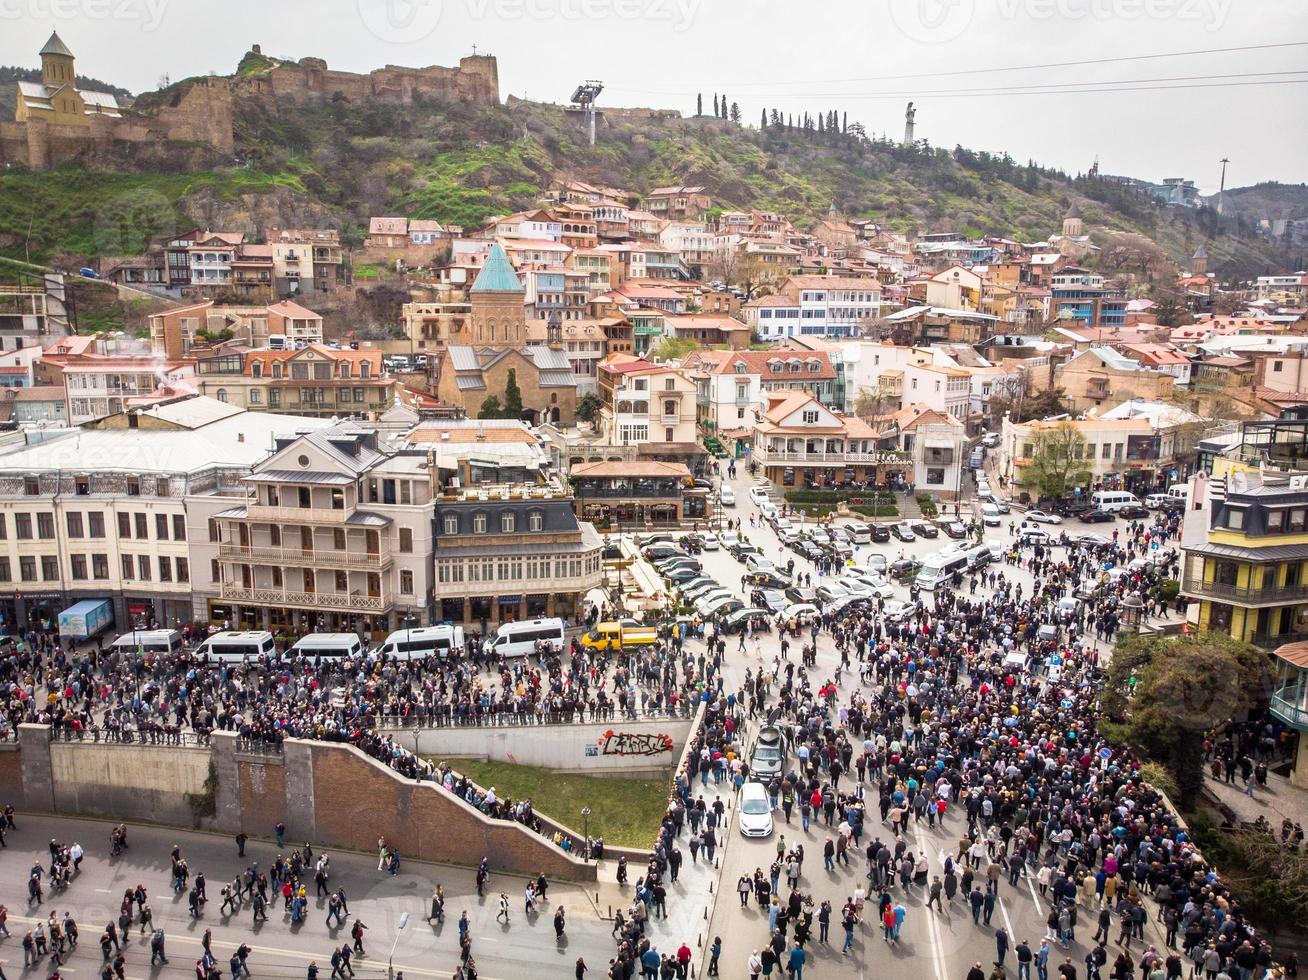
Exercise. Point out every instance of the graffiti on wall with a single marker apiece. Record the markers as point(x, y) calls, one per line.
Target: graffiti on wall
point(628, 743)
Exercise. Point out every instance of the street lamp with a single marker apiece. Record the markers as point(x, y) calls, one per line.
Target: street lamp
point(390, 965)
point(585, 832)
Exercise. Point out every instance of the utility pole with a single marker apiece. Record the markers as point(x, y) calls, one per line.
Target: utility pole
point(1221, 191)
point(584, 97)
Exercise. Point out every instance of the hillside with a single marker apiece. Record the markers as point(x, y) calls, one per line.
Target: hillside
point(1269, 200)
point(337, 163)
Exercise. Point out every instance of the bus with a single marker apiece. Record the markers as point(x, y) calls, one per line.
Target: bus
point(330, 646)
point(939, 568)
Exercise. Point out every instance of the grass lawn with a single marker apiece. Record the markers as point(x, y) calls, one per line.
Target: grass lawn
point(625, 812)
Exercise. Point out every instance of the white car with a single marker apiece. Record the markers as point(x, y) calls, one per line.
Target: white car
point(868, 584)
point(727, 496)
point(1042, 517)
point(1034, 535)
point(726, 603)
point(755, 811)
point(712, 542)
point(801, 612)
point(729, 538)
point(897, 610)
point(759, 495)
point(702, 602)
point(990, 515)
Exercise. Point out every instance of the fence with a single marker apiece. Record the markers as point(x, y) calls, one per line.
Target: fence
point(500, 717)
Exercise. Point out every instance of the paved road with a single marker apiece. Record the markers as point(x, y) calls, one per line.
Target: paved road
point(932, 945)
point(423, 950)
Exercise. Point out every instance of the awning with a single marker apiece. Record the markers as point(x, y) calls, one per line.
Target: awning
point(671, 449)
point(1281, 552)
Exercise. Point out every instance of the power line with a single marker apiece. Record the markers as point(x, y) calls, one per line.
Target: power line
point(1051, 88)
point(987, 71)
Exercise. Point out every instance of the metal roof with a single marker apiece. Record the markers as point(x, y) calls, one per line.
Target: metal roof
point(56, 46)
point(497, 275)
point(320, 477)
point(366, 518)
point(464, 358)
point(1282, 552)
point(471, 384)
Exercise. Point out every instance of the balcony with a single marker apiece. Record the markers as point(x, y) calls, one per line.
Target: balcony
point(296, 515)
point(1290, 704)
point(1270, 642)
point(312, 600)
point(1242, 595)
point(765, 454)
point(512, 586)
point(299, 558)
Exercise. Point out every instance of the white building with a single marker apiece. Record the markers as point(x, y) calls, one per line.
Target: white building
point(944, 389)
point(106, 385)
point(827, 306)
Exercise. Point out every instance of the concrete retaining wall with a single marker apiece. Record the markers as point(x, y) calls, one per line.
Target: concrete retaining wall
point(136, 782)
point(631, 749)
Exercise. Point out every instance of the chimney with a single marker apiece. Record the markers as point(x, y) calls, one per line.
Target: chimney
point(240, 437)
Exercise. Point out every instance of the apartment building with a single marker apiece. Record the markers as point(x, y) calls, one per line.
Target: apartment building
point(97, 385)
point(945, 389)
point(650, 406)
point(678, 202)
point(1082, 298)
point(551, 290)
point(829, 306)
point(33, 310)
point(643, 260)
point(333, 533)
point(102, 513)
point(799, 442)
point(1112, 447)
point(307, 259)
point(174, 332)
point(1244, 544)
point(1104, 376)
point(316, 381)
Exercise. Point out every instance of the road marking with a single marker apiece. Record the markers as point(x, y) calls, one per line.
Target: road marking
point(1030, 883)
point(937, 948)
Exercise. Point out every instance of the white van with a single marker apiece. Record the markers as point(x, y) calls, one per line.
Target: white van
point(940, 568)
point(1112, 500)
point(234, 646)
point(423, 641)
point(328, 646)
point(149, 641)
point(727, 496)
point(1156, 500)
point(859, 533)
point(519, 639)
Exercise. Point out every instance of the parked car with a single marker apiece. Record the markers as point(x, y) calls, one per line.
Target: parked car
point(727, 496)
point(755, 813)
point(990, 515)
point(876, 563)
point(880, 533)
point(773, 600)
point(1035, 535)
point(925, 529)
point(680, 575)
point(897, 610)
point(720, 606)
point(1097, 517)
point(955, 529)
point(829, 591)
point(1132, 511)
point(802, 612)
point(769, 579)
point(1089, 540)
point(904, 570)
point(801, 595)
point(711, 542)
point(759, 495)
point(903, 532)
point(1043, 517)
point(657, 552)
point(741, 618)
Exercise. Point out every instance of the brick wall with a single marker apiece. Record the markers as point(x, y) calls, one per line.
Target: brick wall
point(262, 794)
point(11, 776)
point(357, 799)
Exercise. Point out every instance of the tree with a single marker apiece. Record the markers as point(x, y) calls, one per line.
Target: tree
point(1169, 312)
point(735, 113)
point(723, 113)
point(512, 396)
point(763, 120)
point(491, 409)
point(1043, 404)
point(1164, 694)
point(1058, 461)
point(715, 104)
point(588, 409)
point(671, 348)
point(699, 104)
point(872, 403)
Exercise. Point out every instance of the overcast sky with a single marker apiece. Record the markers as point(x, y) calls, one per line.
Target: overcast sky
point(793, 55)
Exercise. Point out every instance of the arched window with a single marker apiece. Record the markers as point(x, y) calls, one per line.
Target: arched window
point(221, 395)
point(277, 370)
point(256, 369)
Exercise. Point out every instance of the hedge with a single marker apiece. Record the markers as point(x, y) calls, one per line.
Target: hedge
point(838, 496)
point(927, 505)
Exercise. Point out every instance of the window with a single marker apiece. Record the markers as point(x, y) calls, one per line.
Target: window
point(142, 527)
point(5, 575)
point(31, 486)
point(23, 527)
point(95, 524)
point(4, 532)
point(478, 523)
point(74, 520)
point(535, 521)
point(810, 417)
point(143, 567)
point(342, 582)
point(667, 434)
point(133, 487)
point(406, 581)
point(256, 396)
point(1275, 521)
point(27, 568)
point(507, 521)
point(100, 566)
point(450, 524)
point(274, 398)
point(45, 527)
point(1235, 518)
point(183, 569)
point(406, 540)
point(1276, 366)
point(161, 526)
point(214, 534)
point(165, 569)
point(215, 570)
point(179, 527)
point(161, 487)
point(78, 564)
point(1107, 451)
point(670, 384)
point(1296, 522)
point(82, 486)
point(50, 568)
point(935, 476)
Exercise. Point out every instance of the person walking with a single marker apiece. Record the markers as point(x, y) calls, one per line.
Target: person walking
point(558, 922)
point(504, 909)
point(1001, 946)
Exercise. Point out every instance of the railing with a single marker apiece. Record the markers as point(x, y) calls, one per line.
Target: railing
point(325, 557)
point(1269, 642)
point(131, 736)
point(1250, 594)
point(475, 716)
point(1288, 704)
point(765, 455)
point(315, 600)
point(295, 515)
point(512, 586)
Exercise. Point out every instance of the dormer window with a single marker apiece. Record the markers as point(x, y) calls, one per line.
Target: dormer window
point(814, 366)
point(740, 367)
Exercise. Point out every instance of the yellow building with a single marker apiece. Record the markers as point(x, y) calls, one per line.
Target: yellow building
point(56, 98)
point(1245, 546)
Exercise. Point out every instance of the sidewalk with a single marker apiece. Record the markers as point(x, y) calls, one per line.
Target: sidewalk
point(1276, 802)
